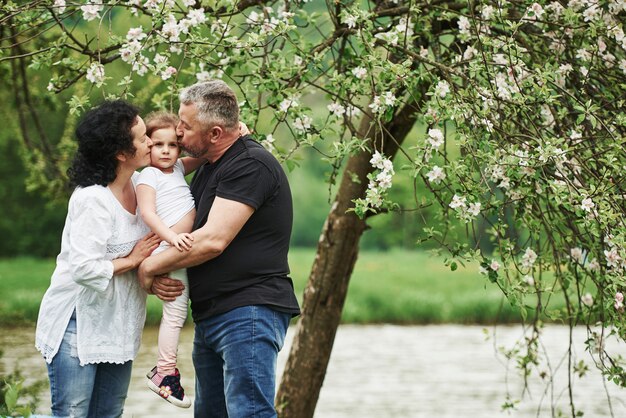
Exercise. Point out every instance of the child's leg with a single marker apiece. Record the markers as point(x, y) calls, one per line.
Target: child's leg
point(174, 316)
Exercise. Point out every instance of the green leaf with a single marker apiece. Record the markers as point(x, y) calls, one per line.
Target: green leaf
point(10, 397)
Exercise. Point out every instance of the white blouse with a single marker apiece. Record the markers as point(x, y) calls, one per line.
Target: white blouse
point(110, 310)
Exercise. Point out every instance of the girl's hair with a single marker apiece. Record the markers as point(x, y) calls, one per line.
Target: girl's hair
point(102, 133)
point(160, 120)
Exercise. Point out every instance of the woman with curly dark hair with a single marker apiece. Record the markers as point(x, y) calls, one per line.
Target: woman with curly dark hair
point(92, 315)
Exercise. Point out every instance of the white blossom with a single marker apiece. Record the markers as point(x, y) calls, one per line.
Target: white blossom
point(254, 18)
point(436, 175)
point(377, 160)
point(389, 98)
point(168, 72)
point(529, 280)
point(95, 74)
point(435, 138)
point(535, 12)
point(587, 299)
point(613, 259)
point(576, 254)
point(353, 111)
point(336, 109)
point(59, 5)
point(359, 72)
point(505, 183)
point(464, 25)
point(592, 13)
point(458, 202)
point(546, 114)
point(556, 8)
point(302, 123)
point(135, 34)
point(129, 51)
point(587, 204)
point(351, 21)
point(170, 29)
point(384, 179)
point(474, 208)
point(487, 12)
point(495, 266)
point(287, 104)
point(268, 143)
point(196, 17)
point(583, 54)
point(442, 89)
point(529, 258)
point(141, 65)
point(377, 105)
point(91, 10)
point(389, 37)
point(469, 53)
point(619, 301)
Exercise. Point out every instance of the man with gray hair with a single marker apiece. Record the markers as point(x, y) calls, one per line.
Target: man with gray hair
point(242, 298)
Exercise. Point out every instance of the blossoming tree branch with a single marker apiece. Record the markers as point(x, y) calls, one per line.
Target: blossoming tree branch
point(507, 115)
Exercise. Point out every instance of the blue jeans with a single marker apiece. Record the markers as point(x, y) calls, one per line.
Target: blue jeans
point(93, 390)
point(234, 355)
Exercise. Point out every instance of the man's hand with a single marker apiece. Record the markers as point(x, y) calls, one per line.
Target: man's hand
point(166, 289)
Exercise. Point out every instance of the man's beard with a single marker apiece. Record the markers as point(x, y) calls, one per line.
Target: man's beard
point(194, 152)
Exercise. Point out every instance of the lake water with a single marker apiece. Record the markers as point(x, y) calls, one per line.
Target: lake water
point(379, 371)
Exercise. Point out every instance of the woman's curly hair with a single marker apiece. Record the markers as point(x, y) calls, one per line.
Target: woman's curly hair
point(102, 133)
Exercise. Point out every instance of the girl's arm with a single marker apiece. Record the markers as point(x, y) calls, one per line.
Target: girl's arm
point(146, 200)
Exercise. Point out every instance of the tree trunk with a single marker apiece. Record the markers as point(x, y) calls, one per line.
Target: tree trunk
point(327, 287)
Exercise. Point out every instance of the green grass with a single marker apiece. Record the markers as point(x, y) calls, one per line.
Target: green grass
point(413, 287)
point(405, 287)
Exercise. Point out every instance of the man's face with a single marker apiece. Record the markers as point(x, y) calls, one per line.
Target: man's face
point(194, 136)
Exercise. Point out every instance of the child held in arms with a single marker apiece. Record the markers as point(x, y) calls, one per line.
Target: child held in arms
point(167, 207)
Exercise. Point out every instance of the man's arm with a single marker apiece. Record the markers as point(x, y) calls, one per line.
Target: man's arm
point(191, 164)
point(224, 222)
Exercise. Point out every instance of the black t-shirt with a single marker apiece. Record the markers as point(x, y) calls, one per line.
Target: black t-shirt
point(253, 269)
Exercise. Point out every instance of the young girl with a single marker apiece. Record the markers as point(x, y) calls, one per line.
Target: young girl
point(167, 207)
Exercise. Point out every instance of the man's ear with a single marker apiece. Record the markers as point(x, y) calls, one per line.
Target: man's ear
point(215, 133)
point(121, 156)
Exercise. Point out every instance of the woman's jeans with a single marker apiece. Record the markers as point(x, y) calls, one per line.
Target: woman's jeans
point(93, 390)
point(234, 355)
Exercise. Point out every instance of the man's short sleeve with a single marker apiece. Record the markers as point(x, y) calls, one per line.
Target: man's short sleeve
point(249, 182)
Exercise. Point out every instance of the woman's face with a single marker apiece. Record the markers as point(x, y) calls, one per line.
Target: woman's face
point(142, 144)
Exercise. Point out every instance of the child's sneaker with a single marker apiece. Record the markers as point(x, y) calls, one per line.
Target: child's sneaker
point(168, 387)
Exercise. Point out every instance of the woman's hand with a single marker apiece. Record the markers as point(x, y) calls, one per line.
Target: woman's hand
point(143, 248)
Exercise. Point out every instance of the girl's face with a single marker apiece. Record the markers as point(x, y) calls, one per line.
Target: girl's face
point(142, 144)
point(165, 149)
